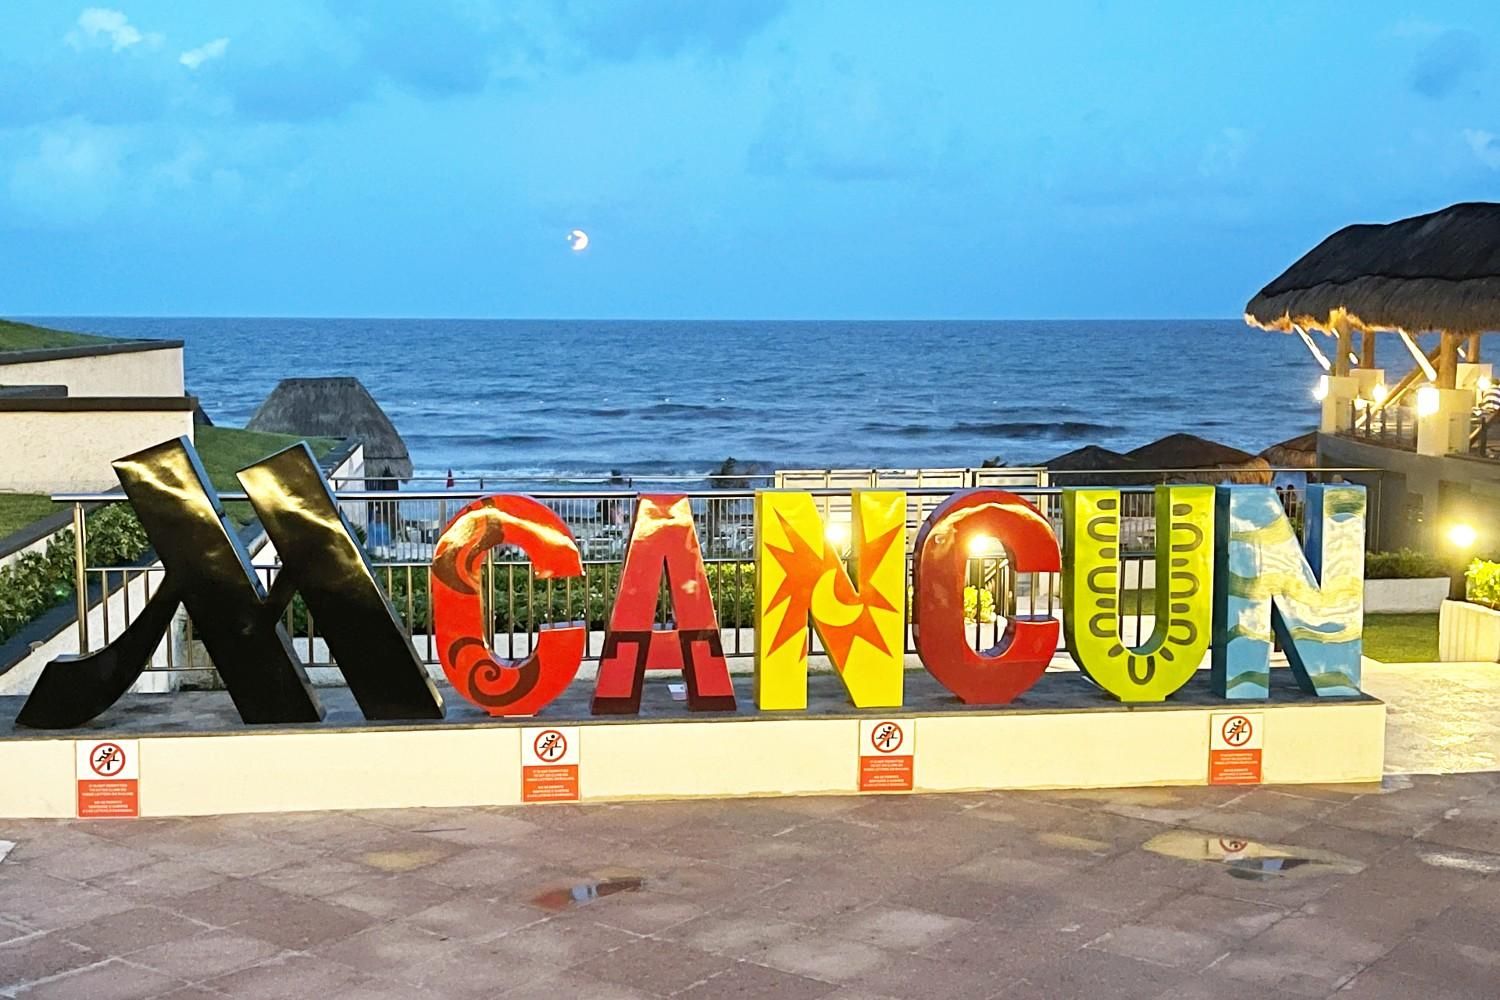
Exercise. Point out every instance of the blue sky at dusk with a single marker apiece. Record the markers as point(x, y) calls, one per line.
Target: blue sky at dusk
point(729, 158)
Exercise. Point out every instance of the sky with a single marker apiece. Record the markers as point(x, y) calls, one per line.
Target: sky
point(816, 159)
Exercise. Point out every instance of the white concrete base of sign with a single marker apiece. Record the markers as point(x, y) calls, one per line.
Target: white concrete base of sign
point(1468, 632)
point(450, 764)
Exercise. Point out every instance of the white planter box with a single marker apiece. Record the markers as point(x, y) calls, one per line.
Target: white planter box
point(1405, 596)
point(1468, 632)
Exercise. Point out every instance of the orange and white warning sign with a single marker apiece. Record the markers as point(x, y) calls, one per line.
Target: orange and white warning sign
point(887, 750)
point(109, 779)
point(1234, 746)
point(549, 764)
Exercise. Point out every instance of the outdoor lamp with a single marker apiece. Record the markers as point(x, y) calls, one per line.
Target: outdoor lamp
point(985, 547)
point(1427, 401)
point(1462, 535)
point(1380, 392)
point(837, 534)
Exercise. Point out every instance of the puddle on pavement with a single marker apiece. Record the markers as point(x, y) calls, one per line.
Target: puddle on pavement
point(588, 892)
point(1251, 860)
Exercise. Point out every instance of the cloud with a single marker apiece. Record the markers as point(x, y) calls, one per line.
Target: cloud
point(103, 26)
point(856, 126)
point(207, 52)
point(70, 177)
point(1224, 154)
point(438, 50)
point(1446, 62)
point(327, 59)
point(627, 29)
point(1486, 146)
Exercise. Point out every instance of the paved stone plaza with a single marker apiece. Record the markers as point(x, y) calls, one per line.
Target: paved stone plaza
point(1359, 892)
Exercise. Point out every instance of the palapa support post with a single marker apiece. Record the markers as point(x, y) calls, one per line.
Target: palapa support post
point(1367, 349)
point(1346, 343)
point(1447, 366)
point(1472, 349)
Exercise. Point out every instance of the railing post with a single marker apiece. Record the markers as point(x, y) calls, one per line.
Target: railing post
point(80, 575)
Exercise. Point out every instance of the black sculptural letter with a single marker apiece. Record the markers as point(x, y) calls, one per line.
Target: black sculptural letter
point(209, 572)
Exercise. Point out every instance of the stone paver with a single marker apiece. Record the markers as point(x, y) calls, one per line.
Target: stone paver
point(1369, 891)
point(1373, 891)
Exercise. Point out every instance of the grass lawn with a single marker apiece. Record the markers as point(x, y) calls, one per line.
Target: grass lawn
point(25, 337)
point(17, 510)
point(1402, 638)
point(226, 450)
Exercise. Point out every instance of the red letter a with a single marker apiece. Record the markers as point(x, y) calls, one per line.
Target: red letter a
point(663, 540)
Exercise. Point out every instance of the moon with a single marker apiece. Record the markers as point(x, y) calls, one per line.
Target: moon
point(579, 240)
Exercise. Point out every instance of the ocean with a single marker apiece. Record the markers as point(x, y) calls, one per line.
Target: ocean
point(519, 398)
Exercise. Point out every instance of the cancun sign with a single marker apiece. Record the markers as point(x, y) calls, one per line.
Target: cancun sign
point(1231, 573)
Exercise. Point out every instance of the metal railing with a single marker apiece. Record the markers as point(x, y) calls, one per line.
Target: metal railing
point(1484, 434)
point(400, 530)
point(1393, 426)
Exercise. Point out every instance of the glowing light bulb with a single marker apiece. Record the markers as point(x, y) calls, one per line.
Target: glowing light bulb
point(985, 547)
point(1462, 535)
point(1427, 401)
point(837, 534)
point(1380, 392)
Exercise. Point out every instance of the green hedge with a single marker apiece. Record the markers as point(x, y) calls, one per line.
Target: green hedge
point(1404, 564)
point(39, 581)
point(521, 602)
point(531, 602)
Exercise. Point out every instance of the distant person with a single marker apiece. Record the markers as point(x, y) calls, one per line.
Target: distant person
point(615, 510)
point(1489, 400)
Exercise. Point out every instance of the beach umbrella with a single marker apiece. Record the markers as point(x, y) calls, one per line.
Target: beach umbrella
point(1094, 465)
point(1300, 452)
point(1188, 458)
point(1089, 458)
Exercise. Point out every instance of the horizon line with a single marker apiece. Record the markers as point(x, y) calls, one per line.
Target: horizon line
point(25, 317)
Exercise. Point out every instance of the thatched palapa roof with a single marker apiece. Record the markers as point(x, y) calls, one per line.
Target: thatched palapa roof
point(1439, 271)
point(1300, 452)
point(1090, 458)
point(336, 407)
point(1076, 467)
point(1209, 461)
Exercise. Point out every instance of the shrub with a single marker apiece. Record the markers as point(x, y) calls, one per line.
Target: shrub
point(979, 605)
point(1403, 564)
point(1482, 582)
point(39, 581)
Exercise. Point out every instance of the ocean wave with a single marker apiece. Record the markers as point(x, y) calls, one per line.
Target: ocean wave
point(476, 440)
point(1003, 428)
point(666, 411)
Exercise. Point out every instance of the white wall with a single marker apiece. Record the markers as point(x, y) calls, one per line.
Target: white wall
point(51, 450)
point(156, 372)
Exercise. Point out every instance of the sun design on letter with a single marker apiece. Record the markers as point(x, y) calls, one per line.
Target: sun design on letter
point(814, 576)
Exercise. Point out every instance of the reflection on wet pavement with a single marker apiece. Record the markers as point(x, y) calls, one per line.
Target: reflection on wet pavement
point(1247, 859)
point(587, 892)
point(1483, 864)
